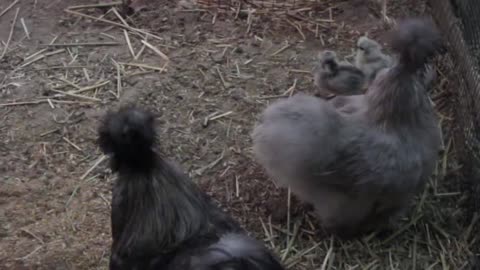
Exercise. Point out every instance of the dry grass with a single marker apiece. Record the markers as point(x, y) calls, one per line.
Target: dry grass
point(207, 74)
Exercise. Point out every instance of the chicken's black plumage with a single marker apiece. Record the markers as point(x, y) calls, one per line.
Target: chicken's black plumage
point(160, 219)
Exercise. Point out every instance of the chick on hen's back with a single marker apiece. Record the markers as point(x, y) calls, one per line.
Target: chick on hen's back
point(339, 78)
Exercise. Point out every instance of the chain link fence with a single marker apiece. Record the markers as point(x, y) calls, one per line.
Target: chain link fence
point(459, 21)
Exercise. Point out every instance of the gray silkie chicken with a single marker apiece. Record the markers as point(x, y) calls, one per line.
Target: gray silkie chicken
point(359, 169)
point(160, 218)
point(339, 78)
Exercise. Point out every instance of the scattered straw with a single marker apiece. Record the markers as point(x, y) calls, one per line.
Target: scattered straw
point(40, 57)
point(10, 34)
point(129, 44)
point(99, 5)
point(161, 69)
point(25, 28)
point(95, 165)
point(156, 50)
point(112, 23)
point(75, 95)
point(9, 7)
point(84, 44)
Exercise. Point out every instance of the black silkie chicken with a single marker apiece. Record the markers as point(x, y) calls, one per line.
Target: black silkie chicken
point(361, 161)
point(160, 218)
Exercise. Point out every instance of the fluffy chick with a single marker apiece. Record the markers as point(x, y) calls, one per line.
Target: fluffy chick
point(339, 78)
point(160, 218)
point(359, 169)
point(370, 59)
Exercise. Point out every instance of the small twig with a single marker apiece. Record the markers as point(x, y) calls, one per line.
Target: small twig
point(209, 166)
point(99, 5)
point(53, 39)
point(85, 73)
point(63, 67)
point(162, 69)
point(33, 235)
point(272, 97)
point(224, 83)
point(8, 8)
point(35, 102)
point(327, 257)
point(91, 87)
point(77, 187)
point(22, 103)
point(96, 44)
point(296, 229)
point(237, 187)
point(35, 54)
point(291, 89)
point(50, 103)
point(29, 255)
point(289, 204)
point(69, 82)
point(138, 73)
point(40, 57)
point(141, 50)
point(97, 162)
point(10, 34)
point(267, 233)
point(156, 50)
point(119, 80)
point(27, 33)
point(129, 44)
point(215, 116)
point(76, 95)
point(120, 17)
point(292, 260)
point(402, 229)
point(300, 71)
point(280, 50)
point(71, 143)
point(298, 29)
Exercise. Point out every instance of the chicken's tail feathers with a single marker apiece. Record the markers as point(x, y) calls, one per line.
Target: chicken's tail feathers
point(246, 264)
point(236, 252)
point(415, 40)
point(128, 135)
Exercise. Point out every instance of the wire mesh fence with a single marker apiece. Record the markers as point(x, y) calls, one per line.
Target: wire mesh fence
point(460, 23)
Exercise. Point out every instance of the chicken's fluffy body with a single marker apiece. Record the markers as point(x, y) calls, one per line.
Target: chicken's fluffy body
point(358, 161)
point(339, 78)
point(160, 218)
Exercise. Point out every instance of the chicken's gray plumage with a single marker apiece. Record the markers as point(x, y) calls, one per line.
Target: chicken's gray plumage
point(160, 218)
point(361, 166)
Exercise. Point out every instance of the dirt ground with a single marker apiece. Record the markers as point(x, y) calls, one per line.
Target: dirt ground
point(222, 71)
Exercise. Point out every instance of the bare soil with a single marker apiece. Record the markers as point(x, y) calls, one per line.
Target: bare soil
point(55, 190)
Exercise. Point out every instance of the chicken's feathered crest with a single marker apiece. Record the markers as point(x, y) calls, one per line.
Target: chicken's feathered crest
point(415, 41)
point(128, 135)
